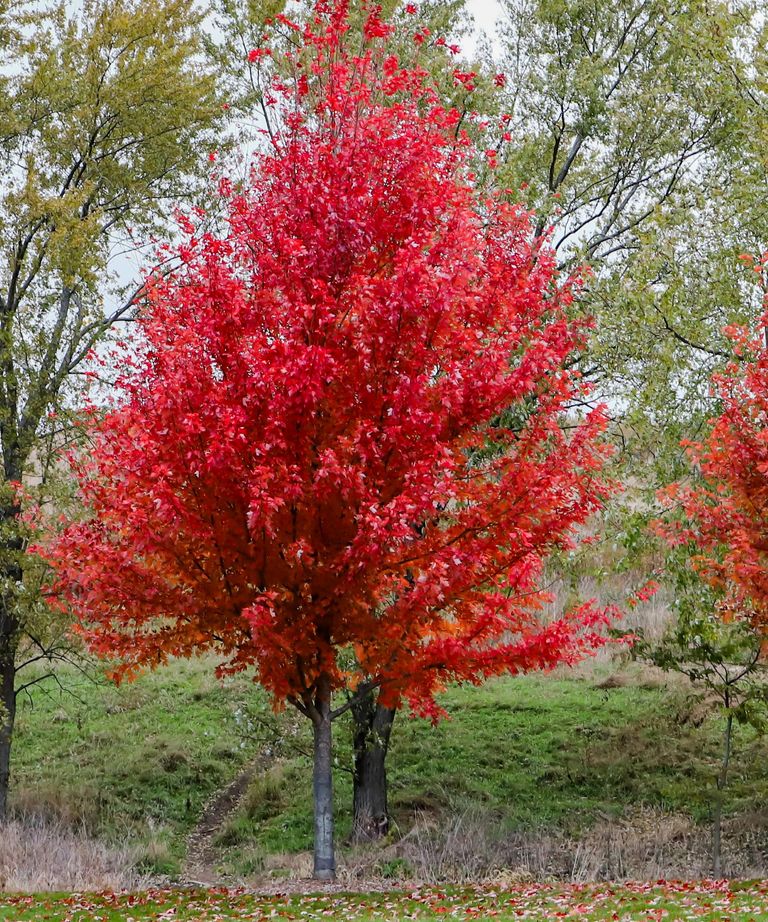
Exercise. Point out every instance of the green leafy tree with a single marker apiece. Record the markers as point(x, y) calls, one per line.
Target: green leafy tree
point(105, 116)
point(634, 132)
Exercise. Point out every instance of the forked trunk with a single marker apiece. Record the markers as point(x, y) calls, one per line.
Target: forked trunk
point(372, 726)
point(325, 860)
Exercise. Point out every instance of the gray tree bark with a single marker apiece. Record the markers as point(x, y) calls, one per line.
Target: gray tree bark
point(322, 783)
point(10, 574)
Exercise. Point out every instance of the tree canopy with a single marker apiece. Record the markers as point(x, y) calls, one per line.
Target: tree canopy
point(311, 466)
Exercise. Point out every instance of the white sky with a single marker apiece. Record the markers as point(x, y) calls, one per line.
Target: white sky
point(486, 14)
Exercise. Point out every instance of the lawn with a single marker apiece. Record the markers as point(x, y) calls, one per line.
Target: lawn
point(708, 901)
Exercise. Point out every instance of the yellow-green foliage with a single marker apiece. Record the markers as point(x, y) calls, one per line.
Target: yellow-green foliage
point(107, 111)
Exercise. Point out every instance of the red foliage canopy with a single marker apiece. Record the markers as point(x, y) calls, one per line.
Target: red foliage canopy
point(341, 450)
point(725, 514)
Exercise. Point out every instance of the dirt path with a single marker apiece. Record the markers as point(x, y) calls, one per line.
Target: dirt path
point(199, 865)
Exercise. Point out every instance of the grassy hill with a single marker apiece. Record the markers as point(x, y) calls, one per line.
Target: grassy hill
point(526, 772)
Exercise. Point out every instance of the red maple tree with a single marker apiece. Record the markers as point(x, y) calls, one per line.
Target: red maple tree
point(723, 514)
point(340, 456)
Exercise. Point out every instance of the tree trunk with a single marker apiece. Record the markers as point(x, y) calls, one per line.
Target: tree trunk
point(372, 726)
point(322, 783)
point(10, 574)
point(10, 577)
point(7, 719)
point(722, 780)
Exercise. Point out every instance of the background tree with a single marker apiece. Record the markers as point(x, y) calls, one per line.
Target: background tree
point(104, 114)
point(308, 470)
point(632, 132)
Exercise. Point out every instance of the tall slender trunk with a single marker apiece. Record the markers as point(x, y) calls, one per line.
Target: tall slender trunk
point(322, 783)
point(372, 727)
point(722, 780)
point(7, 719)
point(10, 578)
point(10, 575)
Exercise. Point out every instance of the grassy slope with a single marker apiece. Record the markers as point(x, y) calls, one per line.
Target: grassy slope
point(535, 751)
point(137, 761)
point(530, 752)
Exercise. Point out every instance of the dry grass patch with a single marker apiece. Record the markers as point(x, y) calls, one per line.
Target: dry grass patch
point(37, 855)
point(645, 844)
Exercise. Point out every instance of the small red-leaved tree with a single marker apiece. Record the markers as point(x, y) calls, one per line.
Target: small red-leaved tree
point(723, 516)
point(340, 457)
point(718, 525)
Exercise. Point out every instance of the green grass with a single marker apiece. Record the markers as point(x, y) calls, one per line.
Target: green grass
point(137, 763)
point(530, 753)
point(706, 902)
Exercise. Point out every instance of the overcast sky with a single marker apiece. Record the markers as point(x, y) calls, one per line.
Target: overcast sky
point(485, 12)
